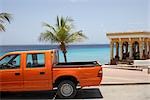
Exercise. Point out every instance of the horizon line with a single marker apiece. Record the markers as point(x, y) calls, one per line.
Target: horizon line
point(49, 44)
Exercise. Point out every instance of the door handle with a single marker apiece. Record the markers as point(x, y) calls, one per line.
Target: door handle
point(17, 74)
point(41, 73)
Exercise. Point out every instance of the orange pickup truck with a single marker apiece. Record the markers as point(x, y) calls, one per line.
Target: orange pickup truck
point(41, 70)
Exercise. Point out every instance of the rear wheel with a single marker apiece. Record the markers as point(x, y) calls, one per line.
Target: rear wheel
point(66, 89)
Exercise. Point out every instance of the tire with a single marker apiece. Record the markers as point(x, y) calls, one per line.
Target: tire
point(66, 89)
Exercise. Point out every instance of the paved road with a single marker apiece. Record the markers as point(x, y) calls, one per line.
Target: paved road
point(91, 93)
point(111, 92)
point(121, 76)
point(126, 92)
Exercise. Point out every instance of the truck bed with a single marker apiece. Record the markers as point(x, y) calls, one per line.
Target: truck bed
point(78, 64)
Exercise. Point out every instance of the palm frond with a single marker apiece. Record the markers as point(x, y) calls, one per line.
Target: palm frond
point(5, 16)
point(75, 37)
point(69, 23)
point(48, 36)
point(62, 34)
point(2, 21)
point(49, 26)
point(58, 23)
point(62, 22)
point(2, 28)
point(69, 19)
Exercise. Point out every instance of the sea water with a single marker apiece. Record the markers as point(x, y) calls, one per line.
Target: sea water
point(93, 52)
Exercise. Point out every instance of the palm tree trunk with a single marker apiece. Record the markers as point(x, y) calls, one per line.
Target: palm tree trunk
point(65, 57)
point(63, 49)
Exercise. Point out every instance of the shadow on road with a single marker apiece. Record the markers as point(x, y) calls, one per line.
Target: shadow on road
point(89, 94)
point(81, 94)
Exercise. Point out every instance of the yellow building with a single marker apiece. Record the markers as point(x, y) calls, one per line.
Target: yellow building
point(129, 45)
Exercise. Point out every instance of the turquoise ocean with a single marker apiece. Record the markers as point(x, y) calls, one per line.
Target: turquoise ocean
point(92, 52)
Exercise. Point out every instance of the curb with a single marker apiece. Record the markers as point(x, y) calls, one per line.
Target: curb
point(109, 84)
point(125, 68)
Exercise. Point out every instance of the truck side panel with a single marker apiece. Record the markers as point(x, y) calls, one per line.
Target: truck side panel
point(61, 72)
point(90, 76)
point(86, 76)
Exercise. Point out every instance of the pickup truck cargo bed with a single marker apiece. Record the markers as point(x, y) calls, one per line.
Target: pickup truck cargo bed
point(78, 64)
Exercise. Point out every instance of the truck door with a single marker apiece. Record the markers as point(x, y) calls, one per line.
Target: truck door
point(36, 74)
point(11, 75)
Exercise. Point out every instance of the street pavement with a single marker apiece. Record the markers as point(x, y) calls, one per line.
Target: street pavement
point(113, 76)
point(108, 92)
point(125, 92)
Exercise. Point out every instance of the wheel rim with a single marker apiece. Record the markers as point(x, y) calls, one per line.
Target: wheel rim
point(66, 90)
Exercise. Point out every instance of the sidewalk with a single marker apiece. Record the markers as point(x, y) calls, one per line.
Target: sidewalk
point(115, 76)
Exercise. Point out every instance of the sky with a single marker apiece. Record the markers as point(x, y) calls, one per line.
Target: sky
point(94, 17)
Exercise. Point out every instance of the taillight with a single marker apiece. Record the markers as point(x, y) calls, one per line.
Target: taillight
point(100, 73)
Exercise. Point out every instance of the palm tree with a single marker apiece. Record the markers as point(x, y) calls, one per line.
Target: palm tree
point(62, 33)
point(3, 18)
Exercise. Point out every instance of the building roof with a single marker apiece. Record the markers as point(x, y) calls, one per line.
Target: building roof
point(142, 34)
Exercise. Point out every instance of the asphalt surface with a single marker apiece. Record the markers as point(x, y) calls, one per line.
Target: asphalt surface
point(90, 93)
point(111, 92)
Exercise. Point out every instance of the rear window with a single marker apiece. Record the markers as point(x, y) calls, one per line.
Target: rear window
point(35, 60)
point(56, 57)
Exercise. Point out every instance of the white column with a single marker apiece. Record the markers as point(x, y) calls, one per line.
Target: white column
point(120, 52)
point(141, 49)
point(111, 50)
point(131, 52)
point(147, 47)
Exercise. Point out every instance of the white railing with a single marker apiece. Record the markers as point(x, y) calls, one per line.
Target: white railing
point(141, 62)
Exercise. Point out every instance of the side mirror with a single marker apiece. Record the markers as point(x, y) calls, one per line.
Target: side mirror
point(14, 62)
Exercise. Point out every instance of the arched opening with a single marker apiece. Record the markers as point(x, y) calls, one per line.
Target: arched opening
point(136, 51)
point(125, 51)
point(117, 51)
